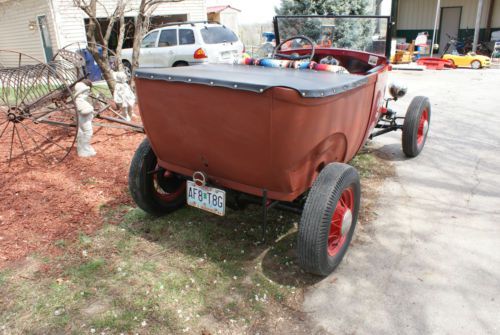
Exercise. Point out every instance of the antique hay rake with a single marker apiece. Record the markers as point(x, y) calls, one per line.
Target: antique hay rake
point(38, 115)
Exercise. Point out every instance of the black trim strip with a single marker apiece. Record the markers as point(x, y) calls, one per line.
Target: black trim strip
point(332, 89)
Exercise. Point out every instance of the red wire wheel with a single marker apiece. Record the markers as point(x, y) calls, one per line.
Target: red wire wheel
point(155, 190)
point(167, 186)
point(329, 219)
point(341, 222)
point(423, 127)
point(416, 126)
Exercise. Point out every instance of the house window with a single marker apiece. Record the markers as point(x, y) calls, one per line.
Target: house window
point(128, 41)
point(159, 21)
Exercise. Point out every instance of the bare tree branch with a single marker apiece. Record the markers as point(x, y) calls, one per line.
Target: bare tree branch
point(96, 37)
point(121, 34)
point(97, 34)
point(146, 8)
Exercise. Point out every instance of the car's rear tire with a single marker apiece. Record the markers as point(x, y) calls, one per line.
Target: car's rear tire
point(154, 189)
point(329, 219)
point(475, 64)
point(180, 63)
point(416, 126)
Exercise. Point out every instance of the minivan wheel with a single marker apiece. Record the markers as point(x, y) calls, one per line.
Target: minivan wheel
point(180, 63)
point(127, 68)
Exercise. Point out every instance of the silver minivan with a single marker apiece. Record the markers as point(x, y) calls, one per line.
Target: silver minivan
point(186, 43)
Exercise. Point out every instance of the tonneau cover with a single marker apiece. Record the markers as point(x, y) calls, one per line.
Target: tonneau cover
point(308, 83)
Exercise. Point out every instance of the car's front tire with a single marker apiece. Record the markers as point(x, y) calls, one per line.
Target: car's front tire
point(476, 65)
point(416, 126)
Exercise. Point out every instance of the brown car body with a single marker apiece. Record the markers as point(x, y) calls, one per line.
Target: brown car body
point(274, 139)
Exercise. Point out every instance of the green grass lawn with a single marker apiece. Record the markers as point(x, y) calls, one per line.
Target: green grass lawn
point(28, 94)
point(102, 90)
point(187, 272)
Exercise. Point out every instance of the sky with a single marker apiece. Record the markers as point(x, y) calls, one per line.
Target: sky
point(260, 11)
point(252, 11)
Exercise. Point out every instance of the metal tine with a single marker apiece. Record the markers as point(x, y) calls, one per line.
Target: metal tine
point(22, 145)
point(3, 84)
point(10, 87)
point(28, 84)
point(37, 146)
point(12, 142)
point(4, 129)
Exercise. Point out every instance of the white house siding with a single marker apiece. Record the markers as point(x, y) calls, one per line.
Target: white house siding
point(15, 34)
point(420, 14)
point(70, 20)
point(229, 17)
point(195, 9)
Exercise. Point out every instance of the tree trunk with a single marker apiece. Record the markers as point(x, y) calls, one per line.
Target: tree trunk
point(121, 37)
point(94, 29)
point(146, 8)
point(102, 61)
point(136, 48)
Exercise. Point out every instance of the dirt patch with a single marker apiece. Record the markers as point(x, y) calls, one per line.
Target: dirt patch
point(98, 264)
point(43, 204)
point(96, 308)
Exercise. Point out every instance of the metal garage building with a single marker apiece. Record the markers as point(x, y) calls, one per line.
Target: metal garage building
point(453, 17)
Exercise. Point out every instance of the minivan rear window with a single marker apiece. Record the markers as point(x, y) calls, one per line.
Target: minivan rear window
point(215, 35)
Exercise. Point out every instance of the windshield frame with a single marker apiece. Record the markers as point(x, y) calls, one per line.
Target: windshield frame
point(384, 17)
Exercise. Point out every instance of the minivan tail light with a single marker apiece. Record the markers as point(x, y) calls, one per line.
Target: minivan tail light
point(200, 53)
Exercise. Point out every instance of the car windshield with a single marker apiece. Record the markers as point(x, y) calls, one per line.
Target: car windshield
point(219, 34)
point(355, 33)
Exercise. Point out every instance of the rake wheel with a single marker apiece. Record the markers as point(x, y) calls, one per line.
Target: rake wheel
point(38, 117)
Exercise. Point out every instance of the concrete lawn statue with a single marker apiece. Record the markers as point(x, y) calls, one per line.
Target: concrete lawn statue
point(85, 116)
point(123, 95)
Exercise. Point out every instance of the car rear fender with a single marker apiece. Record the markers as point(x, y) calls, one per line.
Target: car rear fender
point(126, 55)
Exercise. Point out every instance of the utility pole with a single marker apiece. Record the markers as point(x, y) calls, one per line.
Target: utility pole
point(394, 18)
point(377, 4)
point(438, 10)
point(490, 18)
point(478, 24)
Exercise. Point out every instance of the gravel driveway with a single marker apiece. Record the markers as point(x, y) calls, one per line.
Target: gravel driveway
point(430, 261)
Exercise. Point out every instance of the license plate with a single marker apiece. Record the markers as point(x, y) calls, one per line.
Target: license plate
point(228, 54)
point(207, 198)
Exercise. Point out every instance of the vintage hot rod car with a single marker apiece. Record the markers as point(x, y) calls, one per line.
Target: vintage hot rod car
point(275, 131)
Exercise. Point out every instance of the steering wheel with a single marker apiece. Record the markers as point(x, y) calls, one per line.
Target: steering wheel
point(310, 56)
